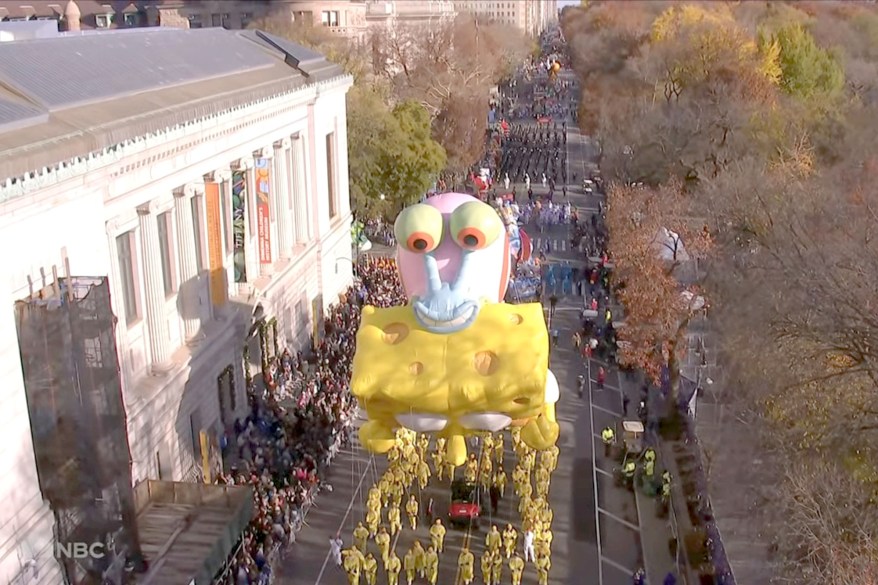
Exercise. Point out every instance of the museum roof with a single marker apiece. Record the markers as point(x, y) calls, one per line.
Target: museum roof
point(80, 93)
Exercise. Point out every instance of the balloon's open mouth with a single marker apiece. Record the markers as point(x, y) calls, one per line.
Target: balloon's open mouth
point(464, 317)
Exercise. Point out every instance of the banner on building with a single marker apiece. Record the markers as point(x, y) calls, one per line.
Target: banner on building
point(263, 211)
point(216, 274)
point(239, 228)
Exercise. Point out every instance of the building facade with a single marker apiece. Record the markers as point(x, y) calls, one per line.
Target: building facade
point(212, 198)
point(409, 12)
point(530, 16)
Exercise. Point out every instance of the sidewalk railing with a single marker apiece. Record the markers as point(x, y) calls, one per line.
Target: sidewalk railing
point(718, 557)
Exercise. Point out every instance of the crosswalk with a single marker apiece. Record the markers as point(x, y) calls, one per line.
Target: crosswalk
point(555, 244)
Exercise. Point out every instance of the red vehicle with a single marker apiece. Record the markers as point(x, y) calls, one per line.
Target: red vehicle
point(465, 509)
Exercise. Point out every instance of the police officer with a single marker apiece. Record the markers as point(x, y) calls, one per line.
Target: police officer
point(628, 469)
point(608, 435)
point(649, 468)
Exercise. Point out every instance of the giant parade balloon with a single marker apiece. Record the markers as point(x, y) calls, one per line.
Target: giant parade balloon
point(455, 360)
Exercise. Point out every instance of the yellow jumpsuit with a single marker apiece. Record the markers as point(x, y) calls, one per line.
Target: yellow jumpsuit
point(497, 568)
point(526, 490)
point(353, 564)
point(392, 565)
point(499, 480)
point(438, 465)
point(471, 471)
point(499, 450)
point(410, 566)
point(493, 540)
point(423, 474)
point(544, 563)
point(487, 566)
point(485, 473)
point(510, 538)
point(382, 539)
point(465, 563)
point(370, 568)
point(420, 558)
point(449, 470)
point(516, 567)
point(373, 518)
point(437, 536)
point(411, 509)
point(361, 535)
point(394, 519)
point(431, 564)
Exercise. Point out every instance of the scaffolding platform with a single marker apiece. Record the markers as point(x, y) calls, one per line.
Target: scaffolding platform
point(187, 531)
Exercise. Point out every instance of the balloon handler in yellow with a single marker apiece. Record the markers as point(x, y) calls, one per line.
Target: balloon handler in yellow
point(456, 360)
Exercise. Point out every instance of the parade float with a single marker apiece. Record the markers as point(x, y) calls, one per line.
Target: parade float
point(456, 360)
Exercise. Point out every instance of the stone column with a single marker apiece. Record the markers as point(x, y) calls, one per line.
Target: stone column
point(300, 193)
point(281, 196)
point(190, 307)
point(156, 319)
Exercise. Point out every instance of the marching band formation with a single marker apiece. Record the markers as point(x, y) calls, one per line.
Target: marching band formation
point(412, 462)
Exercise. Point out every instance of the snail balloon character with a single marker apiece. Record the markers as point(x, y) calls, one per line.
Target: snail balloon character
point(455, 360)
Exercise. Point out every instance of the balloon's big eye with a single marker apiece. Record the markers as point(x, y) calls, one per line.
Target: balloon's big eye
point(475, 225)
point(419, 228)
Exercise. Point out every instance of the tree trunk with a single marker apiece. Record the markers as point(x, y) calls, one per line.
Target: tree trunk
point(674, 374)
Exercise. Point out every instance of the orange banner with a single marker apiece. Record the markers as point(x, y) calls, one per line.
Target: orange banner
point(215, 244)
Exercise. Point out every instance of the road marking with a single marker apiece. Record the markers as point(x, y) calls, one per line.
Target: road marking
point(369, 464)
point(605, 410)
point(619, 520)
point(604, 472)
point(616, 565)
point(594, 466)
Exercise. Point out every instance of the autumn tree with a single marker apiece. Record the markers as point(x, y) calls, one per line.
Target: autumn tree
point(830, 525)
point(392, 157)
point(650, 242)
point(449, 68)
point(808, 71)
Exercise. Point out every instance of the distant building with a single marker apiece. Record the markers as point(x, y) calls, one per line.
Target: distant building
point(345, 17)
point(530, 16)
point(155, 220)
point(409, 12)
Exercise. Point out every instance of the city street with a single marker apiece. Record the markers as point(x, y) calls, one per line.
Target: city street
point(597, 527)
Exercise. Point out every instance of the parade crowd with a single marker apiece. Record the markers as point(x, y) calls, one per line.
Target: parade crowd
point(300, 415)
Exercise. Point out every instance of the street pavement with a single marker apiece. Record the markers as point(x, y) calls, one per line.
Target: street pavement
point(603, 533)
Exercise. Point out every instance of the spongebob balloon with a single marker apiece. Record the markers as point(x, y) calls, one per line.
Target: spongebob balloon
point(455, 360)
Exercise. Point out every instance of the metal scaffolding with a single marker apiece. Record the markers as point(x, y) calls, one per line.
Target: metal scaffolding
point(74, 396)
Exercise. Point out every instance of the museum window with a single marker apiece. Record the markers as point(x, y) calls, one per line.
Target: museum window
point(195, 21)
point(246, 19)
point(103, 20)
point(330, 175)
point(216, 20)
point(164, 224)
point(127, 276)
point(329, 17)
point(132, 19)
point(197, 203)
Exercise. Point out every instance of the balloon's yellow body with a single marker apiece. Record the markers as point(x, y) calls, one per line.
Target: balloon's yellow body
point(483, 378)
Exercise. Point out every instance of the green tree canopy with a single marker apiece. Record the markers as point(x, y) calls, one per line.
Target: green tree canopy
point(390, 152)
point(808, 70)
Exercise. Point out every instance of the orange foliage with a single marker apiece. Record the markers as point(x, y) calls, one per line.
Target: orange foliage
point(656, 311)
